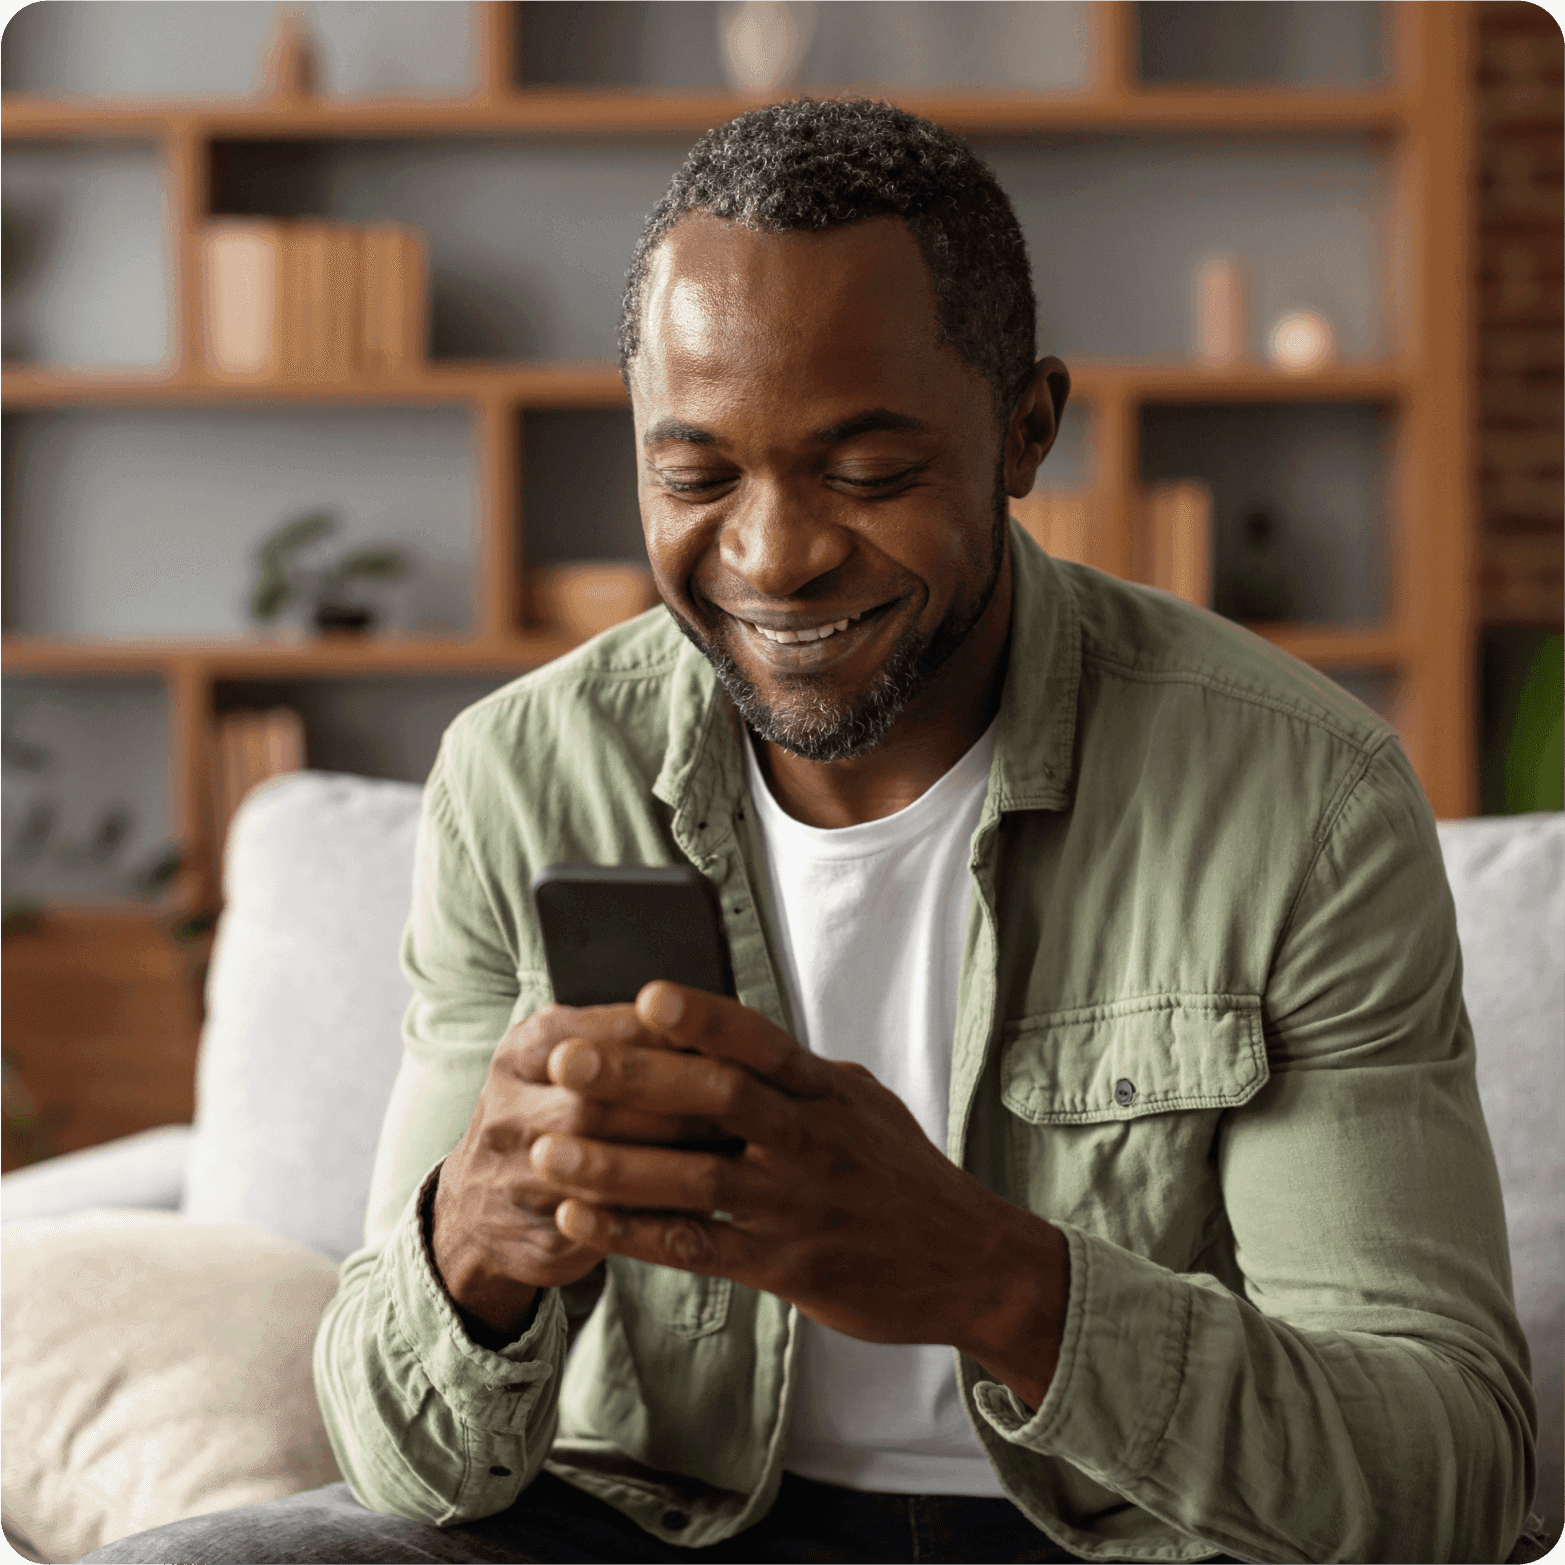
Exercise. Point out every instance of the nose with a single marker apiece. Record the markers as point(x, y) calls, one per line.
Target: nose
point(777, 541)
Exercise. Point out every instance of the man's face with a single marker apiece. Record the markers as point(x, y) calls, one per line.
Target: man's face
point(821, 483)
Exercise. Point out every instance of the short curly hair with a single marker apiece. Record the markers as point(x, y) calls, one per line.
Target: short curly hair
point(810, 164)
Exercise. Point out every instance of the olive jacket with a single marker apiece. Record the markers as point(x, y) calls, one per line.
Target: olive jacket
point(1210, 1024)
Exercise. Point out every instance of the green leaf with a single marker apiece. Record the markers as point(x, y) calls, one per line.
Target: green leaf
point(294, 535)
point(271, 592)
point(382, 563)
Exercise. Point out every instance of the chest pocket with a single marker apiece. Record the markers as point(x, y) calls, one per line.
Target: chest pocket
point(1131, 1092)
point(1131, 1058)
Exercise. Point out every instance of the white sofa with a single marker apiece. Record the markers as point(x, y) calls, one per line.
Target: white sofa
point(156, 1360)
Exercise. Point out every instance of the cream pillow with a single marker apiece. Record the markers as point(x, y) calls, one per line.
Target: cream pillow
point(152, 1368)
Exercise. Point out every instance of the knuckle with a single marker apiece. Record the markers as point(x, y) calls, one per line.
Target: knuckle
point(687, 1245)
point(499, 1137)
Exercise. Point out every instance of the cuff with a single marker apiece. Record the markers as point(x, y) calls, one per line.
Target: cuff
point(496, 1390)
point(1122, 1360)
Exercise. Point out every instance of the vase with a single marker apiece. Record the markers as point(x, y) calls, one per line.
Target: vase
point(764, 42)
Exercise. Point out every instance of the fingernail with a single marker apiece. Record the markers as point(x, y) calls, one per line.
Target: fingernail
point(574, 1220)
point(661, 1004)
point(558, 1157)
point(581, 1066)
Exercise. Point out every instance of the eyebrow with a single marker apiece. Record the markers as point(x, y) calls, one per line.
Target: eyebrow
point(869, 422)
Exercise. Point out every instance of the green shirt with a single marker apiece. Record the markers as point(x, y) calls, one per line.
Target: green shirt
point(1210, 1025)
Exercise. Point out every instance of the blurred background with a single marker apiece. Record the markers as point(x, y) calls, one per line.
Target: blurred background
point(312, 433)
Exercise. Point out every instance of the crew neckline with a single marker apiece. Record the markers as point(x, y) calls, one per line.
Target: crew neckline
point(948, 792)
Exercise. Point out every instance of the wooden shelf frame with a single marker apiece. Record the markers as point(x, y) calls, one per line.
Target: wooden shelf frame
point(1419, 118)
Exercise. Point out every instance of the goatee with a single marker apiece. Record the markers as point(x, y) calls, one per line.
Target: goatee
point(815, 725)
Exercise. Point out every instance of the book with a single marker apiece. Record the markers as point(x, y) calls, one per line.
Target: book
point(372, 301)
point(1178, 539)
point(342, 314)
point(1060, 523)
point(241, 263)
point(250, 748)
point(314, 249)
point(290, 305)
point(395, 295)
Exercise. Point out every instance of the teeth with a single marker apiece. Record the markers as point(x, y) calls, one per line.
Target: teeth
point(820, 633)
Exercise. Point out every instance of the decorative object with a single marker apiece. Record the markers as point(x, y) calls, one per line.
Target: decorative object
point(1300, 341)
point(1256, 585)
point(1178, 519)
point(1220, 331)
point(764, 42)
point(330, 590)
point(291, 69)
point(587, 597)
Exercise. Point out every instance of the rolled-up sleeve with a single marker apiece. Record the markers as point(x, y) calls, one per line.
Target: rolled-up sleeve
point(424, 1422)
point(1366, 1394)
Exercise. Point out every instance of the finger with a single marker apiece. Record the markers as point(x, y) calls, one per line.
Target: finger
point(689, 1244)
point(669, 1082)
point(540, 1109)
point(649, 1178)
point(525, 1049)
point(721, 1027)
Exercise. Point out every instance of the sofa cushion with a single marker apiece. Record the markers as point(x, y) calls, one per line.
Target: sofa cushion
point(1507, 875)
point(304, 1008)
point(154, 1369)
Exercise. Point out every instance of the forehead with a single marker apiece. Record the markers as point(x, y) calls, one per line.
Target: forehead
point(848, 311)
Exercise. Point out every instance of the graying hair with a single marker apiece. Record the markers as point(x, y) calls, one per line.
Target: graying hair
point(812, 165)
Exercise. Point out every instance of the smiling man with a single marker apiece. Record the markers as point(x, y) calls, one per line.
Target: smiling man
point(1114, 1184)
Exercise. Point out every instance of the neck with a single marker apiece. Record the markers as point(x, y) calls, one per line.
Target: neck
point(935, 730)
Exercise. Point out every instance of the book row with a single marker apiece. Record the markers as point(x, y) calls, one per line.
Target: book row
point(302, 300)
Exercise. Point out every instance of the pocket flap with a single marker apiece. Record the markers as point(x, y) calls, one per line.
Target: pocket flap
point(1128, 1058)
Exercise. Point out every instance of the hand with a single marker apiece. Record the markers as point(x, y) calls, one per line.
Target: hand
point(494, 1239)
point(838, 1203)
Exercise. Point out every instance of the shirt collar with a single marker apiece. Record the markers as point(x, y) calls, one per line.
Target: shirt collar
point(703, 778)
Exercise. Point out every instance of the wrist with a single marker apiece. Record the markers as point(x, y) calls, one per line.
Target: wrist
point(1016, 1329)
point(494, 1309)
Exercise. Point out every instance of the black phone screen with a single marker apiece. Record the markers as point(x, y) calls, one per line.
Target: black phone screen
point(609, 929)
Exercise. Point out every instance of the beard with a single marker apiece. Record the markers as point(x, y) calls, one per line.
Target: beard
point(811, 722)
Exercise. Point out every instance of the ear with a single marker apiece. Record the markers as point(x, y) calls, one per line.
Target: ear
point(1035, 421)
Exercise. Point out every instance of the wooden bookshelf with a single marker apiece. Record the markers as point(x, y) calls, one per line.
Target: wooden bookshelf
point(1419, 120)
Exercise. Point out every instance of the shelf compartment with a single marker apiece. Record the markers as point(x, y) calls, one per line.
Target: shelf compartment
point(1117, 230)
point(88, 280)
point(1317, 471)
point(129, 523)
point(415, 46)
point(677, 45)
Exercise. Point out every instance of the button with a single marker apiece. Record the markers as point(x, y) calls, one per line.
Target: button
point(501, 1472)
point(1124, 1092)
point(675, 1521)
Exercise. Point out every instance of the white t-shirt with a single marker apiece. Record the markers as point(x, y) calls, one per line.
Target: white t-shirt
point(873, 919)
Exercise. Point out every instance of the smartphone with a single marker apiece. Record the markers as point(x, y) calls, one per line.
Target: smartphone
point(610, 928)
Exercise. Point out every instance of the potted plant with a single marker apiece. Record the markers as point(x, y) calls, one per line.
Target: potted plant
point(329, 590)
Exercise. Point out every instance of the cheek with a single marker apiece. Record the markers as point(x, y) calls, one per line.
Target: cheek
point(676, 541)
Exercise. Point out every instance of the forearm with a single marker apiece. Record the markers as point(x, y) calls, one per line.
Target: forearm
point(425, 1422)
point(1270, 1440)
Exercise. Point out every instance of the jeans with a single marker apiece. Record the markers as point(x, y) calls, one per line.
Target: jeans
point(554, 1521)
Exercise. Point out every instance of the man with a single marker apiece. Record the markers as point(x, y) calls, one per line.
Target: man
point(1114, 1182)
